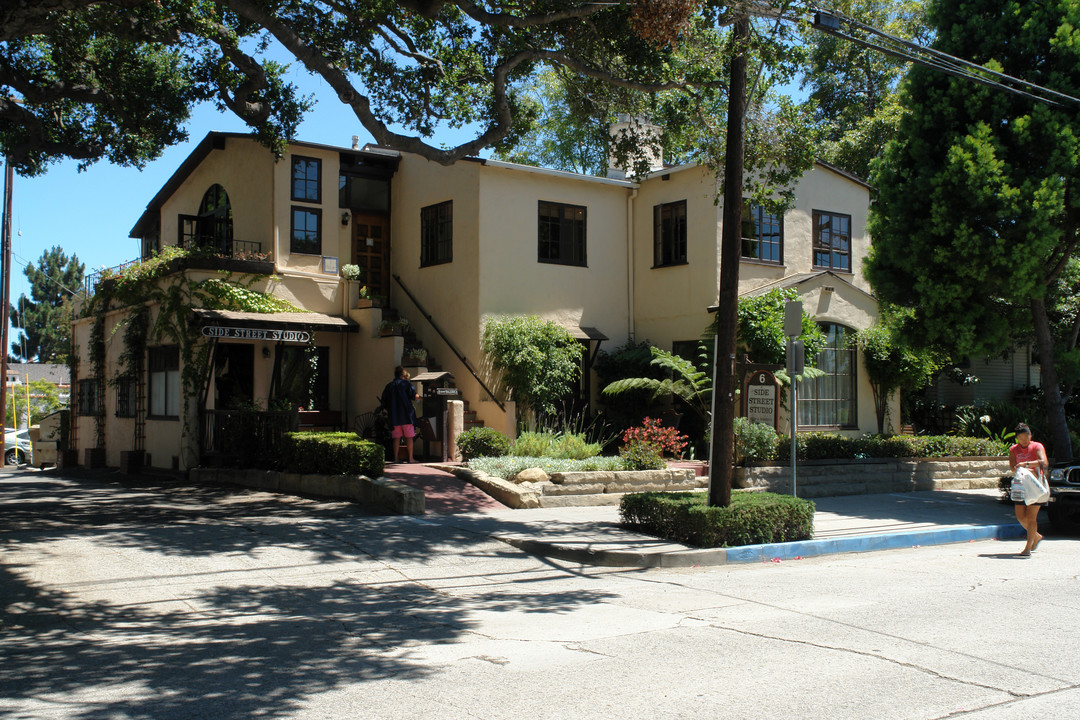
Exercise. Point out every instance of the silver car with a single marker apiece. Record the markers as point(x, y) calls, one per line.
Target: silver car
point(17, 447)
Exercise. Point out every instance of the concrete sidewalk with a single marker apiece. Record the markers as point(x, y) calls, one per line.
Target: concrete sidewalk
point(854, 523)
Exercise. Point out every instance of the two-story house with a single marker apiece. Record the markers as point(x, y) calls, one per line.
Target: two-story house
point(449, 247)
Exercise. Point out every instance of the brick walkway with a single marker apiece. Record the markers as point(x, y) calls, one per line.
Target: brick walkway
point(444, 493)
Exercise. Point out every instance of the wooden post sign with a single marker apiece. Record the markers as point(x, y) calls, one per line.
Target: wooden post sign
point(762, 394)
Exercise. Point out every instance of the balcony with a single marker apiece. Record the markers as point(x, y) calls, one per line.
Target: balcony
point(200, 253)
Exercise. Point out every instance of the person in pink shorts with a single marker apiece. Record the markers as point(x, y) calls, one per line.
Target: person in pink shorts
point(397, 398)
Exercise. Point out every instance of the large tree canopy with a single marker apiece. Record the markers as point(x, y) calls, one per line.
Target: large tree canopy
point(855, 91)
point(979, 203)
point(116, 79)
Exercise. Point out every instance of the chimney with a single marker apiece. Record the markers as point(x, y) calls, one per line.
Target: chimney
point(637, 139)
point(355, 142)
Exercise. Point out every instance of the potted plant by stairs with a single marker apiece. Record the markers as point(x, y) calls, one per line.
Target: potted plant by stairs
point(366, 300)
point(393, 327)
point(414, 357)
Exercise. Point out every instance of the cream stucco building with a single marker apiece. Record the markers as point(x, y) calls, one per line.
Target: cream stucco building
point(448, 247)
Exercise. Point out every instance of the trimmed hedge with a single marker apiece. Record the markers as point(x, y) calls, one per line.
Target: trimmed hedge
point(833, 446)
point(751, 519)
point(482, 442)
point(331, 453)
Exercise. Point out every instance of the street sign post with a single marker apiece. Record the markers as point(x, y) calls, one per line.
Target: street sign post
point(796, 357)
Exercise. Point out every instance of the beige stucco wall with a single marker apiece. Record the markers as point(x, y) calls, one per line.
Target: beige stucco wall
point(448, 292)
point(671, 303)
point(245, 169)
point(163, 438)
point(514, 281)
point(825, 190)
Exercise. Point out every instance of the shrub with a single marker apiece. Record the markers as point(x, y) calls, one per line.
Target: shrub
point(338, 453)
point(754, 441)
point(830, 446)
point(652, 432)
point(752, 518)
point(641, 456)
point(482, 442)
point(539, 360)
point(548, 443)
point(508, 466)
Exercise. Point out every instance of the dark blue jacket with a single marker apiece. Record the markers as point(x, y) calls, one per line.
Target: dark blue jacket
point(397, 398)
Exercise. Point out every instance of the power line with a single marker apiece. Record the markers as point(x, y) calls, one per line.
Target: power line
point(841, 26)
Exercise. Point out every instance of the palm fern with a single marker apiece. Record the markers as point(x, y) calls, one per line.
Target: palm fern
point(687, 383)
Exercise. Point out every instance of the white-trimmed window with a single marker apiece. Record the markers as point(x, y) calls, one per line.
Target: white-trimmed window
point(830, 401)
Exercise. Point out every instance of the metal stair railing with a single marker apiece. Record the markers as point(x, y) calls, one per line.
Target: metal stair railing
point(453, 349)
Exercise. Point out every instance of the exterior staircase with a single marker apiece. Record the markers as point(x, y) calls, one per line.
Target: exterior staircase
point(413, 343)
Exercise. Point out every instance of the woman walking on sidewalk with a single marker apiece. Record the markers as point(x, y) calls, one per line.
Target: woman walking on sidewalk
point(1027, 453)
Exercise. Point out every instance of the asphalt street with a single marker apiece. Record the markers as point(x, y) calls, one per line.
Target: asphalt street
point(157, 600)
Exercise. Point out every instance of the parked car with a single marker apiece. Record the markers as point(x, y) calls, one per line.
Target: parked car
point(1064, 507)
point(17, 447)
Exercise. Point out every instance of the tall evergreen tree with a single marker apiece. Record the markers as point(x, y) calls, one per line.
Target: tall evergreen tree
point(979, 196)
point(45, 317)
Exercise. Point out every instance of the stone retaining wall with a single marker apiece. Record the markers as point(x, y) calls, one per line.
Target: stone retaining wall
point(578, 488)
point(379, 494)
point(823, 478)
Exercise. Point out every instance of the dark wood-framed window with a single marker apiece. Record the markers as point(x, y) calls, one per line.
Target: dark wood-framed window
point(126, 397)
point(561, 234)
point(762, 234)
point(832, 241)
point(831, 400)
point(437, 234)
point(212, 228)
point(669, 234)
point(89, 397)
point(306, 183)
point(164, 382)
point(305, 232)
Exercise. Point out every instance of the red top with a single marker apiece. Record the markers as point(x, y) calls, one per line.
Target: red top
point(1020, 454)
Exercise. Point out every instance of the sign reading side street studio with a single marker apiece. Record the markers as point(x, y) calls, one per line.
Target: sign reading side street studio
point(762, 393)
point(238, 333)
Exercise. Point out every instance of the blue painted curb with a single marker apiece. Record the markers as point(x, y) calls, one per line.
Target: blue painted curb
point(869, 543)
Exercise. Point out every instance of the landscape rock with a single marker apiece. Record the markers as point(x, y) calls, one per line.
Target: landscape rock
point(531, 475)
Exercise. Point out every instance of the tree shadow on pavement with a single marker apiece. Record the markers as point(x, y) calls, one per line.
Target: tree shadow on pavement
point(176, 640)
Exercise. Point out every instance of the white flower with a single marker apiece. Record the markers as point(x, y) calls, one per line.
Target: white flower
point(984, 419)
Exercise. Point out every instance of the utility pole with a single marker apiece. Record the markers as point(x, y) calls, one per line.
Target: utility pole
point(722, 441)
point(5, 289)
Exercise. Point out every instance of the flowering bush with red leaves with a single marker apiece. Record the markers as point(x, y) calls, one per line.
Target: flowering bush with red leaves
point(662, 439)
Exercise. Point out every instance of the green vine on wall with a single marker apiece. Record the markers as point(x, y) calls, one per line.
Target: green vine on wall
point(96, 350)
point(161, 281)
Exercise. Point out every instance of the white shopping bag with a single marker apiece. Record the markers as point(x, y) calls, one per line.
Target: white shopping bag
point(1033, 489)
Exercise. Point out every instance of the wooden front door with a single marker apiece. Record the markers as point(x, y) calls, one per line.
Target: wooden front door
point(371, 251)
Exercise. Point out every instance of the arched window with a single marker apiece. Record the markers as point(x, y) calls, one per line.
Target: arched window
point(830, 400)
point(215, 229)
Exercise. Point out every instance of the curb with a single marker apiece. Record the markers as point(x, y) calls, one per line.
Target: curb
point(682, 556)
